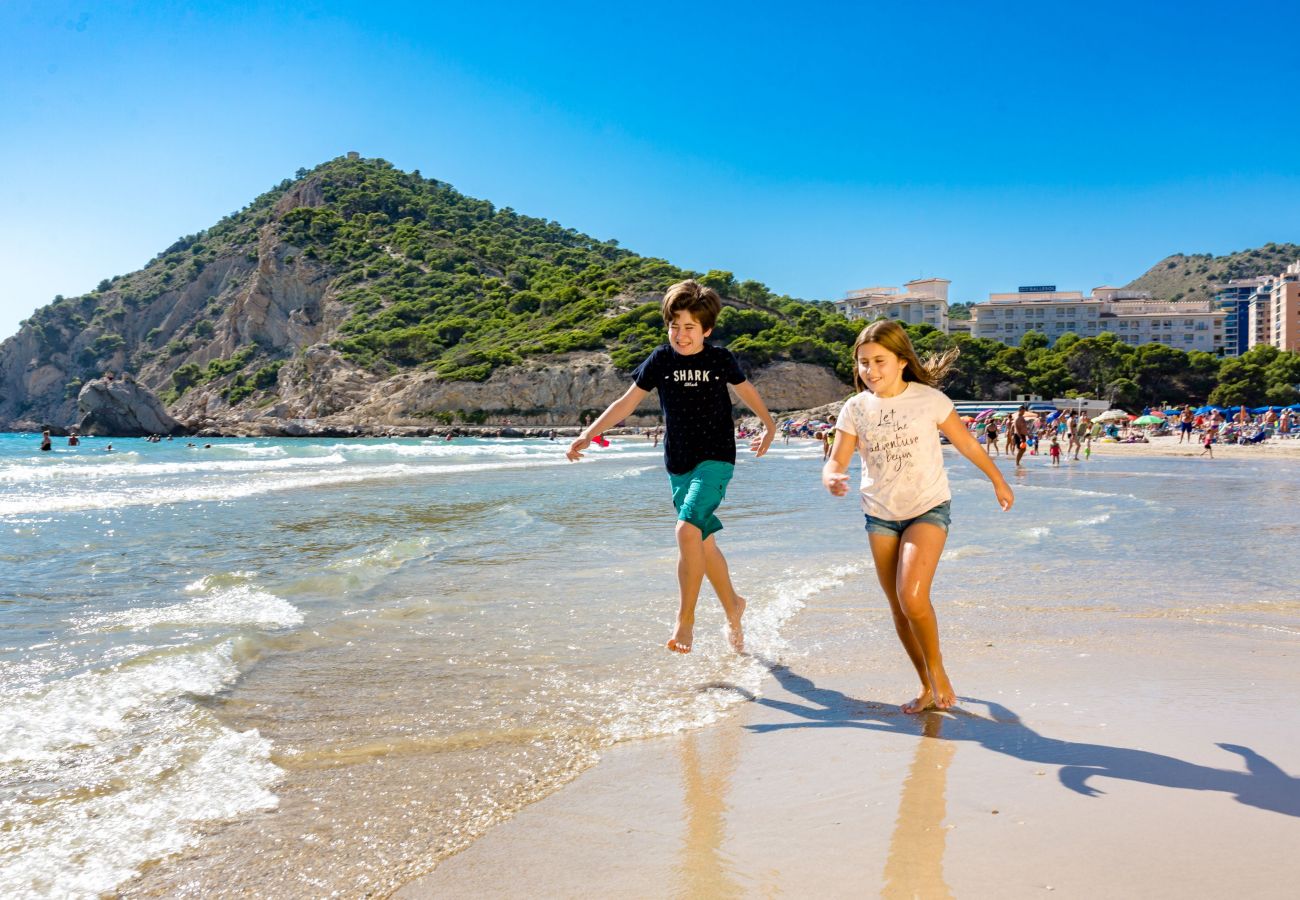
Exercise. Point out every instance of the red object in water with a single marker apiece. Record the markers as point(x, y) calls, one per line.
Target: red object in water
point(600, 441)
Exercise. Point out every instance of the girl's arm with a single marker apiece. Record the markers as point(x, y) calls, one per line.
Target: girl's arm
point(955, 431)
point(835, 476)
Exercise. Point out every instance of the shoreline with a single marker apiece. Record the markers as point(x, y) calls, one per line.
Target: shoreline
point(821, 786)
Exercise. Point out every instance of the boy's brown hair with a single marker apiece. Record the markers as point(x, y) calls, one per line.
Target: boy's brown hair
point(701, 302)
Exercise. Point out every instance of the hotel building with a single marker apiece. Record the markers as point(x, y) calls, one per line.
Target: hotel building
point(921, 302)
point(1007, 317)
point(1131, 315)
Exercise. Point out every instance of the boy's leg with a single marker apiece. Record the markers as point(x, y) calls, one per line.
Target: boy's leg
point(690, 575)
point(696, 495)
point(733, 605)
point(918, 557)
point(884, 552)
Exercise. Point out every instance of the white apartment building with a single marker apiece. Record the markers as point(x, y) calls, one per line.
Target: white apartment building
point(923, 301)
point(1131, 315)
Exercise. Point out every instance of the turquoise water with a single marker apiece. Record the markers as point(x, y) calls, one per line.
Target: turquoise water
point(298, 667)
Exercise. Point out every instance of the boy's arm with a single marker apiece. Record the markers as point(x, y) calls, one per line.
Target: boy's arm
point(748, 395)
point(955, 430)
point(617, 411)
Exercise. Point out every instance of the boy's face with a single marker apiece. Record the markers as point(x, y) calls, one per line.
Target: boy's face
point(685, 334)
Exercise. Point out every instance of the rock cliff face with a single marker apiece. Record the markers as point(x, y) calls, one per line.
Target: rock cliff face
point(118, 407)
point(325, 391)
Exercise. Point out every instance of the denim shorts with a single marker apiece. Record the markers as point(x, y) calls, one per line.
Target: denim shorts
point(940, 515)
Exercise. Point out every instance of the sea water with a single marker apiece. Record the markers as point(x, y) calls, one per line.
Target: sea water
point(308, 667)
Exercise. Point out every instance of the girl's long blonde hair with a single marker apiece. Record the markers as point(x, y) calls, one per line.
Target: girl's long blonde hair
point(893, 337)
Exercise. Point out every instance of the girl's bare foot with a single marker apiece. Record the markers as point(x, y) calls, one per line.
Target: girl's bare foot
point(944, 695)
point(736, 634)
point(680, 642)
point(924, 701)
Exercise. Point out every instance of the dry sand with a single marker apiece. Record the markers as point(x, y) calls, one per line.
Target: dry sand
point(1143, 760)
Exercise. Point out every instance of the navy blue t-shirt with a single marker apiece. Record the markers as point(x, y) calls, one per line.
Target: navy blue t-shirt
point(695, 403)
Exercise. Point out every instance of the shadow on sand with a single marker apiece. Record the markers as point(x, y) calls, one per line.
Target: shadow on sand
point(1263, 785)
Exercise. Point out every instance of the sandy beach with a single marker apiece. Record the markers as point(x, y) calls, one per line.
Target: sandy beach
point(1140, 761)
point(1119, 735)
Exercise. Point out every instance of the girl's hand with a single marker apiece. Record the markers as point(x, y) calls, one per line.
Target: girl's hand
point(836, 482)
point(1005, 497)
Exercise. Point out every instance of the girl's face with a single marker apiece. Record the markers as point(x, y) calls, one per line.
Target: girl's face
point(880, 369)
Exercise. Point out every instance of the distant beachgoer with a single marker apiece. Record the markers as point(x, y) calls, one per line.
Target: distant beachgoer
point(73, 440)
point(699, 450)
point(1087, 447)
point(894, 424)
point(45, 441)
point(1209, 443)
point(1019, 431)
point(1055, 451)
point(108, 449)
point(1185, 421)
point(991, 439)
point(551, 436)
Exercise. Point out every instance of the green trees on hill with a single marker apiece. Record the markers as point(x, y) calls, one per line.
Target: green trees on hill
point(422, 276)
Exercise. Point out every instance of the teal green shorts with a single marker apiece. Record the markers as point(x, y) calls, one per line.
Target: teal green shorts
point(698, 493)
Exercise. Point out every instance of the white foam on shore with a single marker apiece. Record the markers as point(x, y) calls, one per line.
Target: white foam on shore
point(38, 725)
point(240, 604)
point(76, 471)
point(231, 490)
point(117, 767)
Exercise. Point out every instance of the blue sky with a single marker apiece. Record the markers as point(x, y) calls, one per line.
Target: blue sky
point(816, 147)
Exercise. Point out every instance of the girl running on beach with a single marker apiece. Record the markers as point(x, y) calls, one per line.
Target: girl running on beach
point(894, 423)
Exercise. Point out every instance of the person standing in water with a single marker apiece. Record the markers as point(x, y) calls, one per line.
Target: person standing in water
point(699, 445)
point(894, 424)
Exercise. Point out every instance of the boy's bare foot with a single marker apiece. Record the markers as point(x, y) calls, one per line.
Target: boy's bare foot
point(735, 633)
point(924, 701)
point(680, 642)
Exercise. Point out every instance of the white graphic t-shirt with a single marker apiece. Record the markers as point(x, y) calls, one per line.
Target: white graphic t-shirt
point(902, 461)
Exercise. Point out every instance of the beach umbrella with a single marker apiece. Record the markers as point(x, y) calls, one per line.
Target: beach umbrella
point(1204, 409)
point(1149, 420)
point(1111, 415)
point(1052, 417)
point(987, 412)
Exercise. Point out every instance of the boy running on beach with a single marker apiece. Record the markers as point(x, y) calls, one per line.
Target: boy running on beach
point(894, 423)
point(699, 445)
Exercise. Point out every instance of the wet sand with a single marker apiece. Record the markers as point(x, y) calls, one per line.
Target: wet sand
point(1140, 756)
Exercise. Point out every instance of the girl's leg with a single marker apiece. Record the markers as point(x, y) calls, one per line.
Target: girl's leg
point(715, 568)
point(918, 557)
point(884, 552)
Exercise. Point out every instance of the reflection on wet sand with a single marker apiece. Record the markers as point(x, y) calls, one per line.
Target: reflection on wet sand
point(915, 864)
point(708, 762)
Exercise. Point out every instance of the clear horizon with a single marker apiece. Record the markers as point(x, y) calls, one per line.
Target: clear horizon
point(817, 151)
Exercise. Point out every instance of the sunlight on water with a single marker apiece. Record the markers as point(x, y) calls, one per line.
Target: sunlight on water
point(329, 663)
